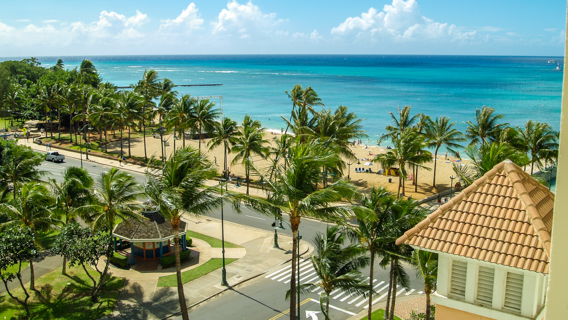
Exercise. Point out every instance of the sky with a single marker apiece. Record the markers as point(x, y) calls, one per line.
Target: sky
point(121, 27)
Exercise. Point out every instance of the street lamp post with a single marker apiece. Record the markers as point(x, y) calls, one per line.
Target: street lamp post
point(349, 170)
point(452, 186)
point(224, 271)
point(298, 282)
point(81, 143)
point(277, 227)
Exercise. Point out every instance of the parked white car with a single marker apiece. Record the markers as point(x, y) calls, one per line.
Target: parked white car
point(54, 156)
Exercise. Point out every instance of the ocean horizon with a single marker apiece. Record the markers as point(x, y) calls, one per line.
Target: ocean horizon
point(519, 87)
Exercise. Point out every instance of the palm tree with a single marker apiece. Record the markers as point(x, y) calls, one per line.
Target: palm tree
point(181, 114)
point(407, 149)
point(14, 98)
point(115, 199)
point(72, 196)
point(400, 124)
point(250, 142)
point(485, 128)
point(19, 164)
point(122, 115)
point(295, 192)
point(30, 209)
point(426, 266)
point(539, 139)
point(179, 188)
point(87, 72)
point(370, 230)
point(486, 157)
point(401, 217)
point(440, 132)
point(69, 98)
point(300, 120)
point(148, 87)
point(225, 133)
point(204, 117)
point(337, 267)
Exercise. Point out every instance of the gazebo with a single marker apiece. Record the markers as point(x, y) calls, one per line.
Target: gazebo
point(151, 239)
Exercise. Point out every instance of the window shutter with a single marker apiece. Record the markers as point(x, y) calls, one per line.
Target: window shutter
point(485, 281)
point(513, 292)
point(458, 278)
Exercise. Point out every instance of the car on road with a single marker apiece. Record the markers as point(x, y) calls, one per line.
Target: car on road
point(54, 156)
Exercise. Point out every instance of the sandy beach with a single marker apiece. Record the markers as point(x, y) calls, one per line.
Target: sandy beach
point(365, 181)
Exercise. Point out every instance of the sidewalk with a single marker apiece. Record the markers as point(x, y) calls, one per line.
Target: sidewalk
point(131, 167)
point(141, 298)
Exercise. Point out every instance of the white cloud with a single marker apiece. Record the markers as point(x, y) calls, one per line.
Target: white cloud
point(401, 21)
point(312, 36)
point(23, 20)
point(244, 19)
point(550, 29)
point(50, 21)
point(188, 20)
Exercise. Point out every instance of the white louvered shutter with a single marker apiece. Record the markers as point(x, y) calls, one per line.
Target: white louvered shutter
point(513, 293)
point(485, 279)
point(458, 278)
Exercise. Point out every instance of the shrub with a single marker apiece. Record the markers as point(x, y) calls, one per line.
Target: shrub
point(119, 260)
point(170, 260)
point(189, 242)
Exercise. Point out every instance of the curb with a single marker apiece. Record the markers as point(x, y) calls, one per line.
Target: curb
point(230, 287)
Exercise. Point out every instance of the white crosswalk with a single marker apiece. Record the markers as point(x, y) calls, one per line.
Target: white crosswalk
point(309, 275)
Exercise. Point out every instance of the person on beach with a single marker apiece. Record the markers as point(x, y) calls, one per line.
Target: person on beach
point(446, 156)
point(120, 162)
point(439, 199)
point(215, 159)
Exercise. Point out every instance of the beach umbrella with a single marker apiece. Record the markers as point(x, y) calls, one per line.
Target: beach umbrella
point(368, 164)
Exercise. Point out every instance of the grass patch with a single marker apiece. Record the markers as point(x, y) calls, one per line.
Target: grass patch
point(14, 268)
point(379, 315)
point(189, 275)
point(213, 242)
point(5, 123)
point(64, 297)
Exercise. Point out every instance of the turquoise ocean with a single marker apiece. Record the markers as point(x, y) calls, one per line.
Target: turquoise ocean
point(521, 88)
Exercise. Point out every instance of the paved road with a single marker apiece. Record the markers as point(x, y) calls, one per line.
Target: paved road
point(263, 298)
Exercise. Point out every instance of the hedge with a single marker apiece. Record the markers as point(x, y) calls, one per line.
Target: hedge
point(119, 260)
point(170, 260)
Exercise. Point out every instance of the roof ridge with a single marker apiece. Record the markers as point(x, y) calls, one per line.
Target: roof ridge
point(514, 173)
point(431, 218)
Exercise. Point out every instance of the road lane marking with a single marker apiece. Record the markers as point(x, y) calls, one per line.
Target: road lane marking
point(336, 308)
point(379, 298)
point(303, 276)
point(285, 268)
point(288, 273)
point(367, 298)
point(287, 311)
point(254, 217)
point(410, 292)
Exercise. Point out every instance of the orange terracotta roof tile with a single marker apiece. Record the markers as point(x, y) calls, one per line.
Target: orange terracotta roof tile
point(505, 217)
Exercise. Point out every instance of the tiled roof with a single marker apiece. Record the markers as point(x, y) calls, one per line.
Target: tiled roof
point(505, 217)
point(133, 230)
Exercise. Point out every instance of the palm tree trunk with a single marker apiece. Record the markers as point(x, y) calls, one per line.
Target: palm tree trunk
point(435, 163)
point(248, 180)
point(389, 292)
point(59, 122)
point(121, 143)
point(32, 276)
point(532, 167)
point(129, 153)
point(50, 123)
point(200, 138)
point(427, 306)
point(391, 314)
point(370, 311)
point(106, 141)
point(416, 180)
point(399, 183)
point(225, 174)
point(181, 294)
point(294, 223)
point(327, 306)
point(183, 133)
point(144, 126)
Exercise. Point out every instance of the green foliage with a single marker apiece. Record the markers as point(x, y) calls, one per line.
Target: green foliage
point(170, 260)
point(195, 273)
point(119, 260)
point(25, 70)
point(18, 164)
point(422, 316)
point(379, 315)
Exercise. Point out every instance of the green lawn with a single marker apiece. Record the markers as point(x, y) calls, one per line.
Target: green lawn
point(64, 297)
point(379, 315)
point(213, 242)
point(5, 123)
point(189, 275)
point(14, 268)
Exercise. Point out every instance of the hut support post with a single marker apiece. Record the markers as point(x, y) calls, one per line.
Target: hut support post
point(132, 253)
point(183, 243)
point(161, 252)
point(114, 244)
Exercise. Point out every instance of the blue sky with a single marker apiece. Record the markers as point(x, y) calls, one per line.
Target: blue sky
point(118, 27)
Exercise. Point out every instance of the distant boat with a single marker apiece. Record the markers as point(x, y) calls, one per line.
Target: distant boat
point(551, 61)
point(558, 68)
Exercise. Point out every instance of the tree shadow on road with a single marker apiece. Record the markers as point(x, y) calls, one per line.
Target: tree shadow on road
point(255, 300)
